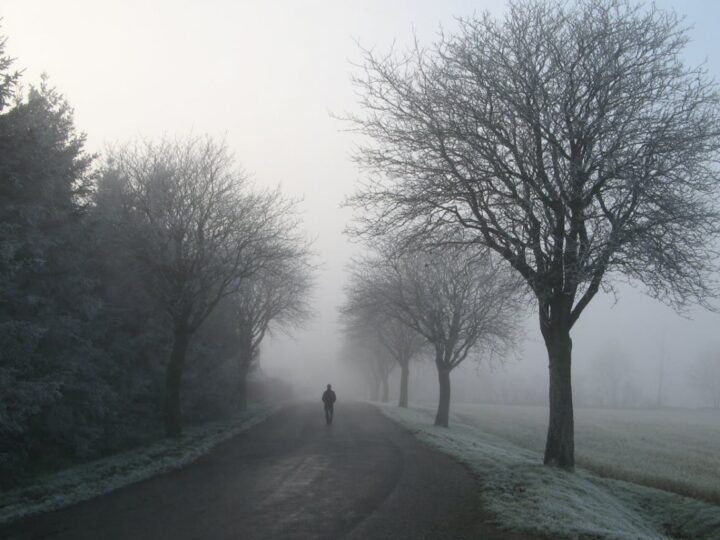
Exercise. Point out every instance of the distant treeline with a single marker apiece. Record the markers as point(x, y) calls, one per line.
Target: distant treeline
point(86, 334)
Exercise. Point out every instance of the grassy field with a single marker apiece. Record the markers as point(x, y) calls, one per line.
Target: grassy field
point(674, 450)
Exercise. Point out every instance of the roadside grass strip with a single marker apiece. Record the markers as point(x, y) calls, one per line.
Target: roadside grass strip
point(88, 480)
point(525, 495)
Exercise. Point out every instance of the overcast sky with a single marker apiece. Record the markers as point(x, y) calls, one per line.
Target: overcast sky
point(266, 75)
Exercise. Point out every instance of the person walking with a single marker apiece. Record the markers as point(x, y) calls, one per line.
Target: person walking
point(329, 399)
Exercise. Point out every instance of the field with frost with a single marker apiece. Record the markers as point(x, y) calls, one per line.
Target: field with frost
point(525, 495)
point(676, 450)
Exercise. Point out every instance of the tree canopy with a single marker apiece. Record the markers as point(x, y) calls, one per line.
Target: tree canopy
point(569, 138)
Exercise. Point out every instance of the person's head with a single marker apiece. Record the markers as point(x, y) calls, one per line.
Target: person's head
point(329, 387)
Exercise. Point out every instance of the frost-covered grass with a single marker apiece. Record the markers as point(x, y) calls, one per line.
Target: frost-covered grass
point(525, 495)
point(97, 477)
point(675, 450)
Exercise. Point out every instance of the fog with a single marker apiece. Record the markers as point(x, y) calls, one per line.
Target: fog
point(270, 77)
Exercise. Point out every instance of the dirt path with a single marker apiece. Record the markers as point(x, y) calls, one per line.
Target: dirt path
point(290, 477)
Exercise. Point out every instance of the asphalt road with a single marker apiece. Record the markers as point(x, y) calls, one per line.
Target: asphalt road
point(290, 477)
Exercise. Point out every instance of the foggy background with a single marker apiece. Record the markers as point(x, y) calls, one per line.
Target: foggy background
point(267, 76)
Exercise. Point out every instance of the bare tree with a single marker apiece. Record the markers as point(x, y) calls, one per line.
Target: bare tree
point(569, 138)
point(348, 354)
point(196, 230)
point(382, 325)
point(460, 303)
point(275, 297)
point(364, 353)
point(382, 364)
point(403, 344)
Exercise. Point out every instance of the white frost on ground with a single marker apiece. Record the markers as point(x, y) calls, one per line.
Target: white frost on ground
point(525, 495)
point(97, 477)
point(671, 449)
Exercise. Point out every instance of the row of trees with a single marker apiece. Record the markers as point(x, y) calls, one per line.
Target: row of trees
point(570, 139)
point(197, 235)
point(123, 276)
point(457, 304)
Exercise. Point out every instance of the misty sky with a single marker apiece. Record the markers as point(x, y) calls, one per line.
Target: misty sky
point(267, 75)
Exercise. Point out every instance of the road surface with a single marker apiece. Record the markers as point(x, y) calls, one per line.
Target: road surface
point(290, 477)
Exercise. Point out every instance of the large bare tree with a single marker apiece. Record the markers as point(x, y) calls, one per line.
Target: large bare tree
point(275, 297)
point(461, 303)
point(568, 137)
point(197, 231)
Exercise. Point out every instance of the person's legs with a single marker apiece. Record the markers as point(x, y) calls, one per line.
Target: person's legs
point(331, 409)
point(328, 414)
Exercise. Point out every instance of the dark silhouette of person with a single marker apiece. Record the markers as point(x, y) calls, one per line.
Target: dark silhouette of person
point(329, 399)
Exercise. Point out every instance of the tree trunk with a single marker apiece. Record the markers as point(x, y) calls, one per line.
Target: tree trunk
point(560, 445)
point(173, 379)
point(443, 411)
point(385, 389)
point(404, 376)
